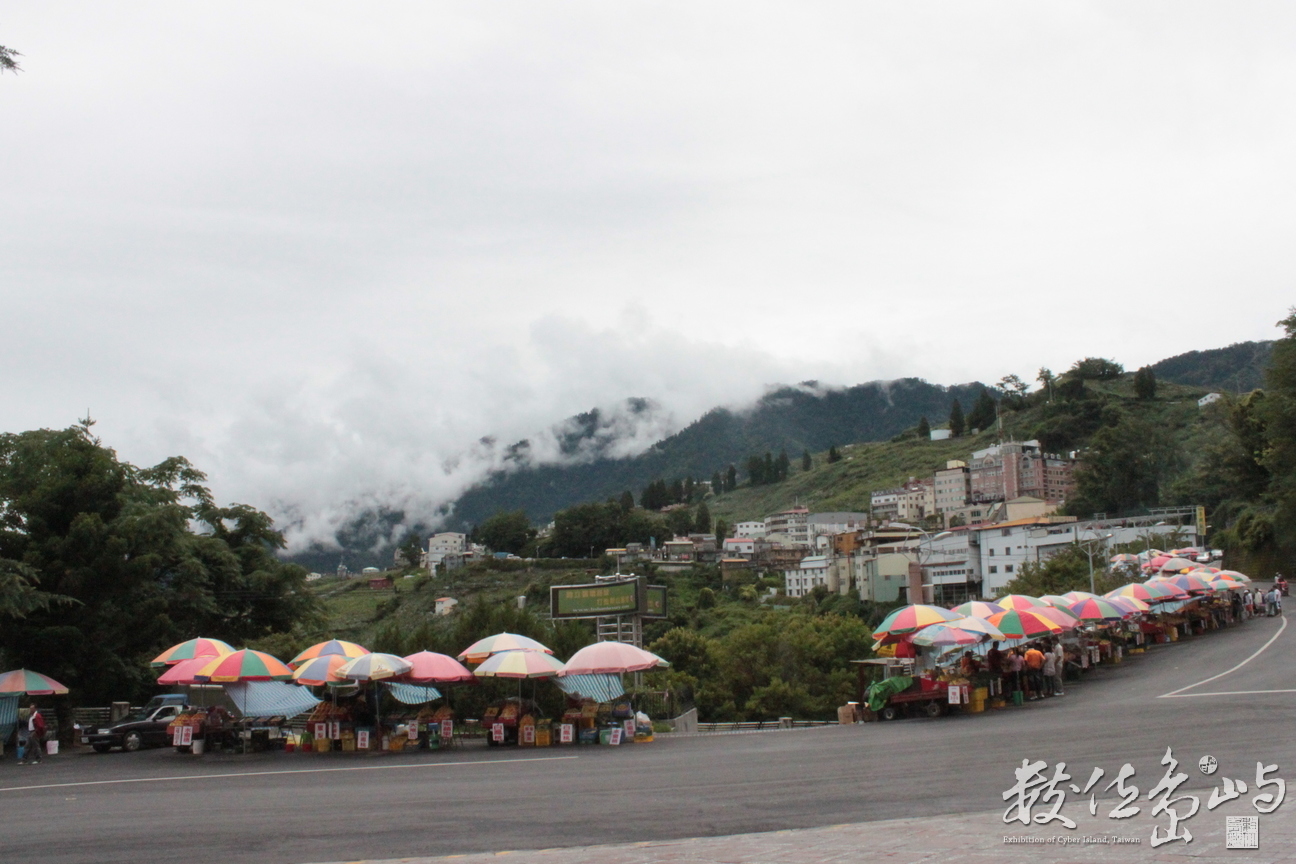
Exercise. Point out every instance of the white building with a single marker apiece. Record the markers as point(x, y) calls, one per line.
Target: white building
point(1208, 399)
point(754, 530)
point(789, 527)
point(813, 571)
point(739, 547)
point(951, 486)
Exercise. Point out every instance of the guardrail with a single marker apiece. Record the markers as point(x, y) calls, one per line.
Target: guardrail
point(763, 725)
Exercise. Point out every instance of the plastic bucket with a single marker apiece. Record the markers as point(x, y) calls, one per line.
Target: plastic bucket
point(196, 747)
point(51, 747)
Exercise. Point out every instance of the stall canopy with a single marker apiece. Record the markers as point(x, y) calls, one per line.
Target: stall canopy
point(8, 715)
point(412, 694)
point(270, 698)
point(600, 688)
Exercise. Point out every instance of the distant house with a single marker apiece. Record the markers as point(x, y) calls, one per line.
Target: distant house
point(445, 605)
point(1208, 399)
point(939, 434)
point(379, 583)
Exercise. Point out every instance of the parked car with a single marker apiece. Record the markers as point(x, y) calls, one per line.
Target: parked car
point(144, 728)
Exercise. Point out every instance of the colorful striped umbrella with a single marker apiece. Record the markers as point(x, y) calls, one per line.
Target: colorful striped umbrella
point(1024, 624)
point(910, 619)
point(979, 609)
point(1059, 615)
point(1077, 596)
point(245, 665)
point(374, 667)
point(944, 635)
point(1138, 591)
point(321, 670)
point(1098, 610)
point(1241, 577)
point(483, 648)
point(609, 658)
point(331, 648)
point(29, 682)
point(520, 664)
point(1020, 601)
point(1055, 600)
point(1226, 585)
point(184, 671)
point(200, 647)
point(1132, 605)
point(973, 624)
point(427, 667)
point(1191, 584)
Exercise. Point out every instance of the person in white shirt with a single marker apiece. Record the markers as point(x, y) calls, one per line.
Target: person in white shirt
point(1059, 666)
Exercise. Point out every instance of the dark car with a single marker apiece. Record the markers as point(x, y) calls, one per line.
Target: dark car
point(147, 727)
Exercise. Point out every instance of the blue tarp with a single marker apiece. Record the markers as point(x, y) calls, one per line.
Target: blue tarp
point(8, 716)
point(270, 698)
point(413, 694)
point(600, 688)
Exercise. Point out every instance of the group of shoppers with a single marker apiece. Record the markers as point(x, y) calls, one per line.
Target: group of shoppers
point(1257, 602)
point(1035, 669)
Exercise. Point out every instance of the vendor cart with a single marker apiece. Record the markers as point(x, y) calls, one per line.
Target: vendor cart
point(924, 697)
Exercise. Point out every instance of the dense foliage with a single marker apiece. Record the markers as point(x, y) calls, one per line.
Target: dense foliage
point(106, 564)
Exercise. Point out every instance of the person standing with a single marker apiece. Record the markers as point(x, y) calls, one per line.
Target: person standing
point(1059, 666)
point(35, 736)
point(1034, 669)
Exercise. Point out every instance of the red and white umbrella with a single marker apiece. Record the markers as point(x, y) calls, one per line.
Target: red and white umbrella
point(427, 667)
point(610, 658)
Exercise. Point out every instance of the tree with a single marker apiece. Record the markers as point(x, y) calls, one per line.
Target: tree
point(731, 479)
point(132, 559)
point(1066, 570)
point(984, 412)
point(1145, 383)
point(833, 455)
point(8, 63)
point(702, 521)
point(411, 550)
point(924, 428)
point(721, 530)
point(1046, 378)
point(1096, 369)
point(509, 532)
point(806, 462)
point(771, 469)
point(627, 501)
point(756, 470)
point(782, 465)
point(1123, 468)
point(717, 483)
point(956, 419)
point(680, 523)
point(1279, 417)
point(1014, 390)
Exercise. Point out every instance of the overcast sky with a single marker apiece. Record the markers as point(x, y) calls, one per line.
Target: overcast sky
point(321, 249)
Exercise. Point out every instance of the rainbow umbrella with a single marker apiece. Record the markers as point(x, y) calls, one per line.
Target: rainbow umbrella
point(331, 648)
point(1059, 615)
point(321, 670)
point(29, 682)
point(483, 648)
point(184, 671)
point(1191, 584)
point(1055, 600)
point(1132, 605)
point(1077, 596)
point(979, 609)
point(1225, 585)
point(1241, 577)
point(427, 667)
point(1098, 610)
point(245, 665)
point(1138, 591)
point(1020, 601)
point(912, 618)
point(973, 624)
point(1024, 624)
point(944, 636)
point(609, 658)
point(200, 647)
point(520, 664)
point(1124, 558)
point(373, 667)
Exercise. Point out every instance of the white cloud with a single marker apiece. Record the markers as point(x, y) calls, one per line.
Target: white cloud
point(322, 249)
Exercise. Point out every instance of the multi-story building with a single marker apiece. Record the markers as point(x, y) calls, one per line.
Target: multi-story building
point(811, 572)
point(754, 530)
point(790, 527)
point(1018, 468)
point(951, 487)
point(912, 501)
point(740, 547)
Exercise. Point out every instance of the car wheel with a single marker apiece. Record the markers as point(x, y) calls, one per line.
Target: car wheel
point(101, 748)
point(132, 742)
point(933, 709)
point(890, 713)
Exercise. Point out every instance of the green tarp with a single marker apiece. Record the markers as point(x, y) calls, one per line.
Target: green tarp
point(877, 694)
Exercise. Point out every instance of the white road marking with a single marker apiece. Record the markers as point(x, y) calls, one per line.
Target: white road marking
point(1227, 693)
point(1176, 693)
point(289, 771)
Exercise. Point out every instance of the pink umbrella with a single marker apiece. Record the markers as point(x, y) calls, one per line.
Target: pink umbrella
point(429, 667)
point(603, 658)
point(183, 672)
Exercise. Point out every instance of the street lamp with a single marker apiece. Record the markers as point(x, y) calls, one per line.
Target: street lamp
point(1089, 550)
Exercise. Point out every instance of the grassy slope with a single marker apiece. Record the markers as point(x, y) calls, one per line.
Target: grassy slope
point(865, 467)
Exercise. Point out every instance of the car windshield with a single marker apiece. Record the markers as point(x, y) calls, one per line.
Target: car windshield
point(134, 717)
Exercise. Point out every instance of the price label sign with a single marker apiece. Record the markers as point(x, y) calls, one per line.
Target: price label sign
point(629, 727)
point(186, 735)
point(335, 730)
point(497, 733)
point(321, 730)
point(615, 738)
point(175, 736)
point(528, 734)
point(413, 731)
point(447, 728)
point(566, 732)
point(362, 739)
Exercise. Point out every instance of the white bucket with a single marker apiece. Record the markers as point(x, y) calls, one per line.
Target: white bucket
point(196, 747)
point(51, 748)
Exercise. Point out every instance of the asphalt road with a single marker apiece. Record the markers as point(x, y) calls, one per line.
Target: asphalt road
point(159, 806)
